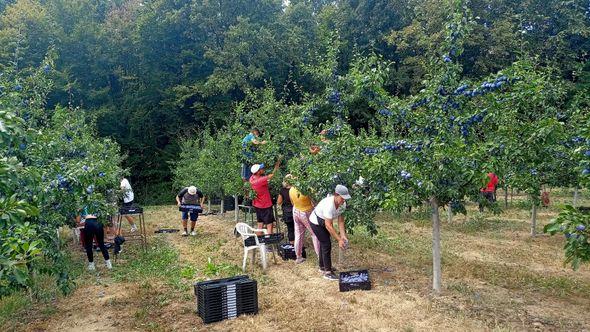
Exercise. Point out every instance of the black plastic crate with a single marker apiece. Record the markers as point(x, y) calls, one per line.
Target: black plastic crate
point(190, 208)
point(354, 280)
point(287, 251)
point(166, 230)
point(267, 239)
point(226, 298)
point(134, 209)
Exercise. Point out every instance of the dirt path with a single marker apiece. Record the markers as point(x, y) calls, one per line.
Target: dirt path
point(295, 297)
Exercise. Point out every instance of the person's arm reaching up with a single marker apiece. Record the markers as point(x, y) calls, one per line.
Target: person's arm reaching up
point(277, 164)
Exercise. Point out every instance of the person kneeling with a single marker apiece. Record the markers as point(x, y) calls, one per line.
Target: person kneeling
point(93, 228)
point(328, 210)
point(189, 196)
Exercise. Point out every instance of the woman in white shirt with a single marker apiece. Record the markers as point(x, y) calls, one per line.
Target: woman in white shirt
point(324, 214)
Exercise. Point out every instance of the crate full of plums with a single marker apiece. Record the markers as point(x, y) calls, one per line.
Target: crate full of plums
point(354, 280)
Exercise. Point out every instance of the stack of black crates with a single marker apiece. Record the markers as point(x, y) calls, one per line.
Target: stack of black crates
point(226, 298)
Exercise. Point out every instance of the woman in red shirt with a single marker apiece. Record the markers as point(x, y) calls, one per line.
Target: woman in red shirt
point(489, 192)
point(262, 202)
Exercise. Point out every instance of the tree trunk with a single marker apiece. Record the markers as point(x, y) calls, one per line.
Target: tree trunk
point(576, 194)
point(534, 220)
point(506, 197)
point(222, 211)
point(436, 269)
point(236, 208)
point(209, 205)
point(450, 213)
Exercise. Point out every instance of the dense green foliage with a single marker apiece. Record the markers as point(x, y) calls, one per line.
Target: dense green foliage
point(51, 165)
point(152, 70)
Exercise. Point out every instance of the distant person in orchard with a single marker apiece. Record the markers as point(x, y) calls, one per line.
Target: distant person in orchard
point(325, 213)
point(262, 202)
point(302, 209)
point(285, 202)
point(315, 149)
point(190, 196)
point(128, 198)
point(93, 228)
point(489, 192)
point(249, 143)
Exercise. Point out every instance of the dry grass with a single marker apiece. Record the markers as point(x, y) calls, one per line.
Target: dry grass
point(496, 278)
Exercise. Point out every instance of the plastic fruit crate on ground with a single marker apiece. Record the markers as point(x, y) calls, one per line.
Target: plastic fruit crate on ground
point(287, 251)
point(354, 280)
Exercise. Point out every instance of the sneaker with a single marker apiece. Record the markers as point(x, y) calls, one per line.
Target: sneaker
point(193, 233)
point(91, 266)
point(108, 264)
point(299, 260)
point(133, 228)
point(184, 233)
point(330, 276)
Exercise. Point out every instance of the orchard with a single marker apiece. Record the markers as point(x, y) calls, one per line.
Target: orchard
point(417, 109)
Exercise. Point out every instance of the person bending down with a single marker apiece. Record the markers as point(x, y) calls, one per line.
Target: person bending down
point(328, 210)
point(93, 228)
point(262, 202)
point(190, 196)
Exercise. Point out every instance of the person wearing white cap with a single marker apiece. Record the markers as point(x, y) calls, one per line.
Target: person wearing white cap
point(262, 202)
point(324, 214)
point(190, 196)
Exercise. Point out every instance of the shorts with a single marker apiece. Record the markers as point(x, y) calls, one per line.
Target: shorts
point(265, 215)
point(245, 172)
point(489, 195)
point(194, 215)
point(128, 204)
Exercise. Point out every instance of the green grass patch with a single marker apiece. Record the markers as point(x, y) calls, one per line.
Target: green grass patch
point(220, 270)
point(415, 251)
point(159, 261)
point(11, 309)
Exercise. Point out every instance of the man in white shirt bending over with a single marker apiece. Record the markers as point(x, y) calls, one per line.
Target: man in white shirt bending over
point(128, 198)
point(328, 210)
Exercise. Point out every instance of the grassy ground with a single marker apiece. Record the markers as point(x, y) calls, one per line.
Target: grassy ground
point(496, 277)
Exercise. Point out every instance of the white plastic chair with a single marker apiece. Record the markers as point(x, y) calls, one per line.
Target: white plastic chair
point(246, 231)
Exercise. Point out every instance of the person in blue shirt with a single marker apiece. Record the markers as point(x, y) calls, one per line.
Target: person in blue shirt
point(249, 143)
point(93, 228)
